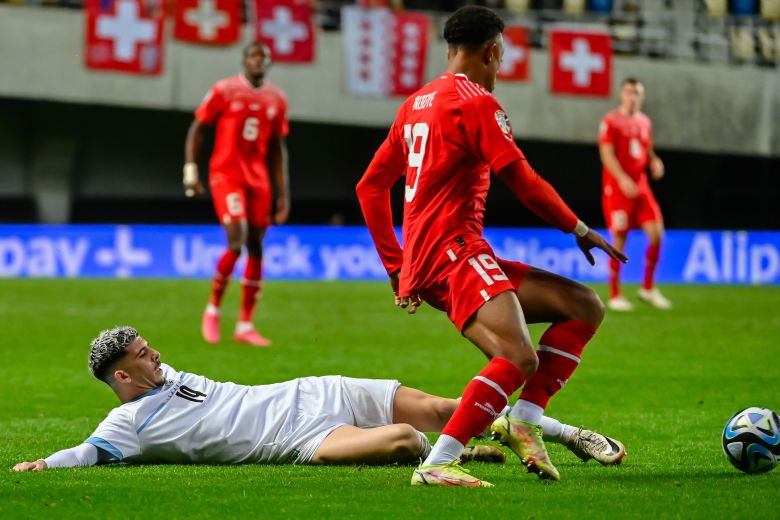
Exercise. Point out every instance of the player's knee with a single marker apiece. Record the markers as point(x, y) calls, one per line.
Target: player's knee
point(588, 307)
point(527, 362)
point(405, 442)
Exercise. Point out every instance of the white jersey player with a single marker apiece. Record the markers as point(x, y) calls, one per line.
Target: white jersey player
point(178, 417)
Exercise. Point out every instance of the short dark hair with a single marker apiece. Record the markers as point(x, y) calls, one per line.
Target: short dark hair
point(471, 26)
point(631, 80)
point(249, 46)
point(107, 348)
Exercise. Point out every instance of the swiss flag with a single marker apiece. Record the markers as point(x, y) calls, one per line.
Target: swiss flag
point(517, 55)
point(287, 28)
point(581, 63)
point(215, 22)
point(124, 35)
point(385, 51)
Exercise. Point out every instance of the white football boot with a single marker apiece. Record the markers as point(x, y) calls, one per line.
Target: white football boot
point(654, 297)
point(620, 304)
point(587, 444)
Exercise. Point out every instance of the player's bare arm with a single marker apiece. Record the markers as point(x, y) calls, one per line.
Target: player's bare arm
point(541, 198)
point(191, 179)
point(277, 165)
point(657, 169)
point(610, 161)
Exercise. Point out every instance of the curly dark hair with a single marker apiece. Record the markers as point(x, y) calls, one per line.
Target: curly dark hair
point(471, 26)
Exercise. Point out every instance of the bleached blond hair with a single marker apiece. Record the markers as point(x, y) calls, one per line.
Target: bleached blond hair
point(107, 347)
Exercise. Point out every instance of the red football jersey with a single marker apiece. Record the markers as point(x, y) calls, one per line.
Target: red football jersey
point(446, 139)
point(246, 118)
point(632, 138)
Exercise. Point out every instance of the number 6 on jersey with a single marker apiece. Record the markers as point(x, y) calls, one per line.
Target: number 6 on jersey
point(413, 134)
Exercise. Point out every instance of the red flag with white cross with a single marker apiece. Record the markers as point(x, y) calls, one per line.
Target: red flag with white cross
point(124, 35)
point(517, 55)
point(214, 22)
point(287, 28)
point(581, 63)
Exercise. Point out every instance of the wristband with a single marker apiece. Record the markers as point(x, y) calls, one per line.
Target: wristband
point(581, 229)
point(190, 173)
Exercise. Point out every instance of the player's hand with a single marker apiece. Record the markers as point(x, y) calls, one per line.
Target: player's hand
point(628, 187)
point(657, 168)
point(282, 212)
point(406, 301)
point(191, 180)
point(593, 239)
point(38, 465)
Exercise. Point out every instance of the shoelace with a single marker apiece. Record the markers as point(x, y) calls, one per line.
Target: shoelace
point(580, 441)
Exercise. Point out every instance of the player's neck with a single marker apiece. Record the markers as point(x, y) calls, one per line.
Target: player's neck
point(255, 82)
point(468, 69)
point(627, 112)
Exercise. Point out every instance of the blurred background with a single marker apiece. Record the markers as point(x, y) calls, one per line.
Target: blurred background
point(85, 140)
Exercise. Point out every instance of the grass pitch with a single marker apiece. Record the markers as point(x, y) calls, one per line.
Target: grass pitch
point(663, 382)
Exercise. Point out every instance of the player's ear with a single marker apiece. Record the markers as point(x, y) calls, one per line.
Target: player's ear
point(120, 376)
point(490, 52)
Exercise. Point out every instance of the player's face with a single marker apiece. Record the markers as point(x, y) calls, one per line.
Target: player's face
point(142, 364)
point(256, 61)
point(631, 97)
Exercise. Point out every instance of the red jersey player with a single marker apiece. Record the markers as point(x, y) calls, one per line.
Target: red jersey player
point(447, 139)
point(626, 149)
point(250, 115)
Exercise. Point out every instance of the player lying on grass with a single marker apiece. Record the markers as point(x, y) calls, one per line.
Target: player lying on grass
point(176, 417)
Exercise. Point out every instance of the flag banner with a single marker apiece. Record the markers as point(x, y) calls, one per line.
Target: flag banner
point(286, 26)
point(213, 22)
point(516, 65)
point(581, 63)
point(124, 35)
point(385, 52)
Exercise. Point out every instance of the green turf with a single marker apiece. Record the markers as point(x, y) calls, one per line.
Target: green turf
point(663, 382)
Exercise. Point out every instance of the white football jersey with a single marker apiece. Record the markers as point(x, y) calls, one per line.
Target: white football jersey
point(192, 419)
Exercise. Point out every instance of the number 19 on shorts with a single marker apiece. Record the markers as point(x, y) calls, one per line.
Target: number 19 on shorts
point(488, 269)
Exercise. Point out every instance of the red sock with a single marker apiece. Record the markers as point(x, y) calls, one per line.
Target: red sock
point(250, 287)
point(483, 399)
point(651, 260)
point(614, 278)
point(224, 269)
point(559, 354)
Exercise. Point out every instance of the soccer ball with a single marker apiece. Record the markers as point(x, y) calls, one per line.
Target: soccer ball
point(751, 440)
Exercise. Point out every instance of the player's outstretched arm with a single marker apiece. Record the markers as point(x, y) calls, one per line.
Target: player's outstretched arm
point(82, 455)
point(192, 144)
point(541, 198)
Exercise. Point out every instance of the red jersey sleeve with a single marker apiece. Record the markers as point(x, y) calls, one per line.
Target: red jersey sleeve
point(211, 106)
point(488, 132)
point(281, 126)
point(607, 132)
point(373, 191)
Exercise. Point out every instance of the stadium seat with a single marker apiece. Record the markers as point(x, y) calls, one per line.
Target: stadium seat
point(744, 7)
point(573, 7)
point(743, 47)
point(767, 45)
point(600, 6)
point(770, 9)
point(517, 6)
point(716, 7)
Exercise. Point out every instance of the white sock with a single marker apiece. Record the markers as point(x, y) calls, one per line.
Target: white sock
point(527, 411)
point(552, 429)
point(425, 446)
point(444, 451)
point(212, 309)
point(244, 326)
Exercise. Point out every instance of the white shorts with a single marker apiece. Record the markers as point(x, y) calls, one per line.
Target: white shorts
point(326, 403)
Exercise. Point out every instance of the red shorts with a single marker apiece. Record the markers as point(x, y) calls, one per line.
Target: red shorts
point(235, 201)
point(473, 277)
point(623, 213)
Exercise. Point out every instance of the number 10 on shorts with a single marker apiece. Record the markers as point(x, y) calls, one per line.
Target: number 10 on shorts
point(483, 265)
